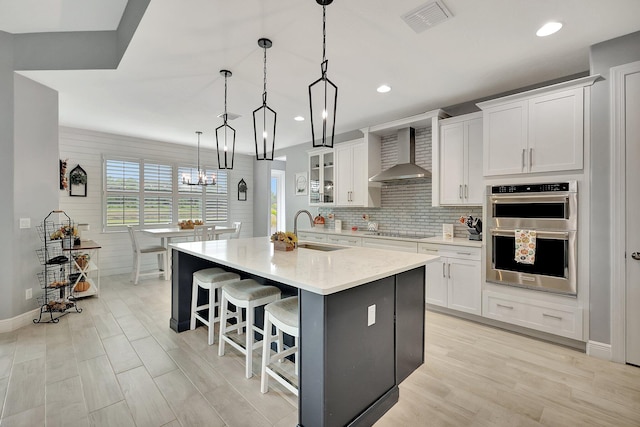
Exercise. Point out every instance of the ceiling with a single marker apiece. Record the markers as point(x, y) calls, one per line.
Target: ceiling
point(168, 85)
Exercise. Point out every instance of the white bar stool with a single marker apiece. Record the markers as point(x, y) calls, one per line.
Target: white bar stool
point(211, 279)
point(283, 315)
point(247, 294)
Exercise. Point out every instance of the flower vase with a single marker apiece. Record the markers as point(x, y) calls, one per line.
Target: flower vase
point(282, 246)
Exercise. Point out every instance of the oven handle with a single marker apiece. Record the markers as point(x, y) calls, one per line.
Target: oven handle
point(515, 198)
point(558, 235)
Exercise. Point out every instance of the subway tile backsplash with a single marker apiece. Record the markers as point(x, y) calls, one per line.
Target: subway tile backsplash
point(405, 207)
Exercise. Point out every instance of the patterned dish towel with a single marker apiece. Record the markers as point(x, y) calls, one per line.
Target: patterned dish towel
point(525, 246)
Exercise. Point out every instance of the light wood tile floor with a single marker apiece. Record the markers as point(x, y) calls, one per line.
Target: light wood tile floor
point(119, 364)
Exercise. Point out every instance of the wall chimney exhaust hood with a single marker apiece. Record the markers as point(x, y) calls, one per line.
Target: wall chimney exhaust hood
point(406, 167)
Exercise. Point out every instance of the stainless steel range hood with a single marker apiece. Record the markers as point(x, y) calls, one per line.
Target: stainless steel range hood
point(406, 167)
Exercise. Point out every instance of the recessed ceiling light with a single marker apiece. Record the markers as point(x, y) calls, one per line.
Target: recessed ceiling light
point(298, 118)
point(384, 88)
point(548, 29)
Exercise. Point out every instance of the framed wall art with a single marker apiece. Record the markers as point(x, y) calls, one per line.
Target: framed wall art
point(301, 183)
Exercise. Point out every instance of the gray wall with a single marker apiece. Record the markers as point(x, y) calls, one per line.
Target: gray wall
point(36, 180)
point(603, 56)
point(6, 173)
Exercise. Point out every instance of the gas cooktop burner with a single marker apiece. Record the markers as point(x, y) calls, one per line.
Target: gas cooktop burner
point(399, 234)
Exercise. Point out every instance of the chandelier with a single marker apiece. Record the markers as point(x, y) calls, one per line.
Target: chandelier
point(202, 174)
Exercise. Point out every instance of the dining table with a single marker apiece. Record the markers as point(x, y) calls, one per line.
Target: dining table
point(166, 234)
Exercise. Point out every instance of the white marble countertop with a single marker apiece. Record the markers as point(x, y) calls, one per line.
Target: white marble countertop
point(320, 272)
point(459, 241)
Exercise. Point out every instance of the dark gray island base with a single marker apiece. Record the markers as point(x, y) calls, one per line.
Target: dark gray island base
point(349, 371)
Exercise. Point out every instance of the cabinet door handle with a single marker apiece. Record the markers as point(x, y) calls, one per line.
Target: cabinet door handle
point(463, 253)
point(530, 158)
point(449, 270)
point(510, 307)
point(466, 191)
point(460, 191)
point(523, 150)
point(443, 274)
point(551, 316)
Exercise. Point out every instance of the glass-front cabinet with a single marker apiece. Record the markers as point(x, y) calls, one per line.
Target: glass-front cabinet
point(321, 177)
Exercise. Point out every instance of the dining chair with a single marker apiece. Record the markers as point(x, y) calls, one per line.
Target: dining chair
point(203, 232)
point(160, 251)
point(236, 234)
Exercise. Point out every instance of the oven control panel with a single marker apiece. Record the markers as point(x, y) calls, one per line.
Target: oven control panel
point(531, 188)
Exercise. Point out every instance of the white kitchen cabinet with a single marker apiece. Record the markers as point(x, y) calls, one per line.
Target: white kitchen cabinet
point(541, 130)
point(461, 160)
point(355, 162)
point(321, 177)
point(553, 318)
point(309, 236)
point(390, 244)
point(455, 280)
point(337, 239)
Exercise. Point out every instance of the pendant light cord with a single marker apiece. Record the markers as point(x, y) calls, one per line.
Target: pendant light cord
point(324, 40)
point(264, 92)
point(225, 103)
point(199, 133)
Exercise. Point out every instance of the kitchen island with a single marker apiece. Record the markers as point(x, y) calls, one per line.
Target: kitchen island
point(361, 318)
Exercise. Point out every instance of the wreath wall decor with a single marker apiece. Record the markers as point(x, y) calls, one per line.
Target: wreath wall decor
point(78, 182)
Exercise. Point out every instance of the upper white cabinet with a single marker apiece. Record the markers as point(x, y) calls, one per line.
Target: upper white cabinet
point(355, 161)
point(460, 170)
point(541, 130)
point(321, 177)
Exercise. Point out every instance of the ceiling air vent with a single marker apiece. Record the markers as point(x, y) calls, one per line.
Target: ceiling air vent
point(230, 116)
point(426, 16)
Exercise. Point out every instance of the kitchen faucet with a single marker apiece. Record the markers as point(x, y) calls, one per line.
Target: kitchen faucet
point(295, 220)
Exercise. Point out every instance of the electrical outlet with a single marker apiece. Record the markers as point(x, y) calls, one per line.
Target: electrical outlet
point(371, 315)
point(25, 222)
point(29, 294)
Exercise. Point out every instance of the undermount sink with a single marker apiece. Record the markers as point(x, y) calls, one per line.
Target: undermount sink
point(317, 247)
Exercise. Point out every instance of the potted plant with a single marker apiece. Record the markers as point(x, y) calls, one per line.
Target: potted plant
point(284, 241)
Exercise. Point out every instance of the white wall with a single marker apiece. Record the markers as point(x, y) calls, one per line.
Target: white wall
point(87, 148)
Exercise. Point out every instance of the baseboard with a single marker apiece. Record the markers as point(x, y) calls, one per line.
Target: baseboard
point(599, 350)
point(24, 319)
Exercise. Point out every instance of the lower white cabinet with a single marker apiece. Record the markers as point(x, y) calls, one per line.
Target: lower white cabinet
point(312, 237)
point(455, 280)
point(557, 319)
point(390, 244)
point(337, 239)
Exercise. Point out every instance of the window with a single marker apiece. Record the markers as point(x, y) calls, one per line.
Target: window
point(122, 180)
point(158, 198)
point(144, 193)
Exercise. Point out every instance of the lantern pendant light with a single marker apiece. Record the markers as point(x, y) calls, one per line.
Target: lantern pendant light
point(323, 97)
point(264, 118)
point(202, 174)
point(225, 134)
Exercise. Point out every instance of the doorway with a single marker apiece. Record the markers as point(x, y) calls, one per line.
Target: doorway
point(277, 219)
point(625, 337)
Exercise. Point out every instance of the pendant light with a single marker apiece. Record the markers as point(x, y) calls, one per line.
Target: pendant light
point(264, 118)
point(202, 174)
point(323, 97)
point(225, 134)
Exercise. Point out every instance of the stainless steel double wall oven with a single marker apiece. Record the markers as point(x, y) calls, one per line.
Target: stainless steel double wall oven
point(549, 209)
